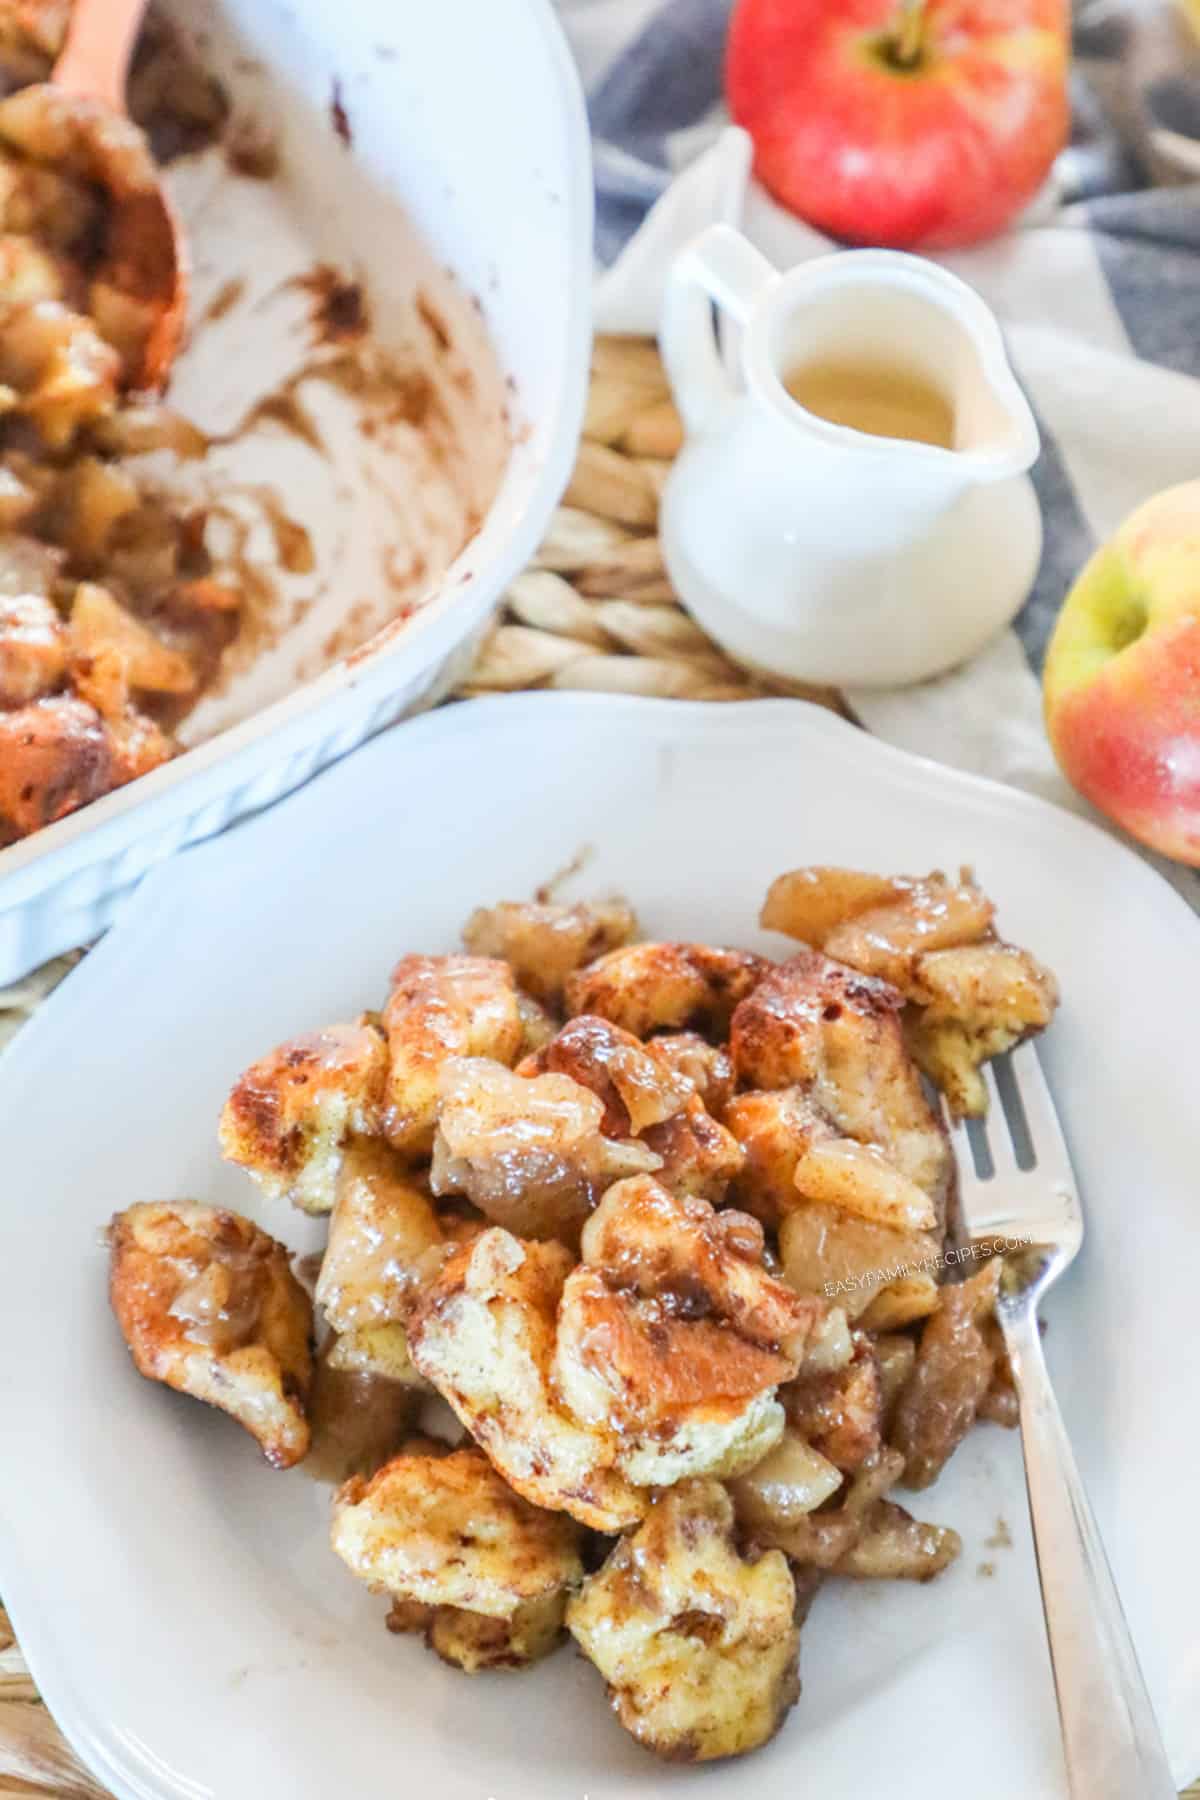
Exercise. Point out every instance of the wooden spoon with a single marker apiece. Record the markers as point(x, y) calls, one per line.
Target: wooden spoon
point(78, 120)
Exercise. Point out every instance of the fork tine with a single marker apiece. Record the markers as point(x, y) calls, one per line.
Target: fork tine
point(1045, 1132)
point(956, 1131)
point(996, 1127)
point(974, 1216)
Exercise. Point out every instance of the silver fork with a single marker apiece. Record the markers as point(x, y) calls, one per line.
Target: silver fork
point(1110, 1736)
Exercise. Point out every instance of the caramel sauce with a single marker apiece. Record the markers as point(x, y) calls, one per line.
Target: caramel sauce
point(876, 398)
point(220, 1304)
point(358, 1421)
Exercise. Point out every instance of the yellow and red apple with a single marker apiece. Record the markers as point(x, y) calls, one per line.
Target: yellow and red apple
point(914, 123)
point(1122, 676)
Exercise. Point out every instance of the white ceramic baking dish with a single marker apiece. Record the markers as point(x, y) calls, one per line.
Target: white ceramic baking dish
point(463, 200)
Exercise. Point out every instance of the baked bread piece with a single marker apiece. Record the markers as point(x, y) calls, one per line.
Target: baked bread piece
point(441, 1007)
point(666, 987)
point(208, 1304)
point(292, 1115)
point(483, 1572)
point(697, 1643)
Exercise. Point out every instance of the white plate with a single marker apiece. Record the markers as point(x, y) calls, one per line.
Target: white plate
point(178, 1604)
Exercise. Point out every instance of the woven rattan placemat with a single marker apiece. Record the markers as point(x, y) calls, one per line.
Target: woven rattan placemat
point(594, 610)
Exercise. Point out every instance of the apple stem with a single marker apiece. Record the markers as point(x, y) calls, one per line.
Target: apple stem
point(906, 44)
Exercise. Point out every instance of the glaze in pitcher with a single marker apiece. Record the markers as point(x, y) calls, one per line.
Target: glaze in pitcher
point(823, 552)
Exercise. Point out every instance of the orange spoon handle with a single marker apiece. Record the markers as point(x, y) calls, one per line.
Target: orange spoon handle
point(95, 57)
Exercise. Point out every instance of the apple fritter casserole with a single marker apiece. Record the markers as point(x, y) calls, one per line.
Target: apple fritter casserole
point(664, 1226)
point(112, 616)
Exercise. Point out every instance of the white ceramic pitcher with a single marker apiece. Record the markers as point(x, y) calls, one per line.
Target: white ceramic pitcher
point(820, 552)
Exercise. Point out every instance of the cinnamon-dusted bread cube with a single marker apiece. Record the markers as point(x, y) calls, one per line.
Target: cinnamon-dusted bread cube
point(208, 1304)
point(291, 1115)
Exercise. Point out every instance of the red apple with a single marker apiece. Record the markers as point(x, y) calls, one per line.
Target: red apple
point(1122, 676)
point(896, 122)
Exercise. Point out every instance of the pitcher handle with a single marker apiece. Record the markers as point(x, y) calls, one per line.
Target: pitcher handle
point(719, 265)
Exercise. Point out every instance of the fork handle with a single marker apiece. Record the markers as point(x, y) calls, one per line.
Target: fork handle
point(1110, 1735)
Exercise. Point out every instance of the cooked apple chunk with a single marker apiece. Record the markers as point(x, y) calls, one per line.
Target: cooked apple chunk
point(971, 996)
point(644, 1093)
point(62, 374)
point(291, 1116)
point(791, 1481)
point(810, 903)
point(527, 1151)
point(707, 1067)
point(358, 1418)
point(33, 650)
point(953, 1372)
point(443, 1530)
point(114, 655)
point(902, 1301)
point(993, 983)
point(381, 1227)
point(697, 1643)
point(208, 1304)
point(666, 987)
point(774, 1129)
point(877, 924)
point(538, 1024)
point(773, 1507)
point(859, 1179)
point(839, 1412)
point(637, 1088)
point(848, 1258)
point(893, 1546)
point(442, 1007)
point(545, 943)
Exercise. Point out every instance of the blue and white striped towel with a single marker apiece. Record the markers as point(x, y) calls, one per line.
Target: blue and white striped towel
point(1098, 294)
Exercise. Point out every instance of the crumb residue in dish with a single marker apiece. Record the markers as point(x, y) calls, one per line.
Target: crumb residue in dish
point(577, 864)
point(339, 314)
point(293, 543)
point(223, 301)
point(375, 416)
point(339, 118)
point(251, 149)
point(431, 317)
point(283, 409)
point(341, 642)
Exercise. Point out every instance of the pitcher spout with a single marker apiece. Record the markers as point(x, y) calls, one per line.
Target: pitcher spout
point(999, 434)
point(873, 352)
